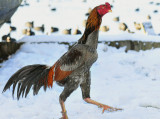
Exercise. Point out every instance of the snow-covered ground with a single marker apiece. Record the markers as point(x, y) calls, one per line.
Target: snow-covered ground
point(102, 37)
point(127, 80)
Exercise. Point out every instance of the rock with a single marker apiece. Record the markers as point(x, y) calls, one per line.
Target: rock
point(24, 31)
point(12, 28)
point(87, 14)
point(158, 3)
point(77, 31)
point(151, 2)
point(112, 6)
point(21, 5)
point(147, 28)
point(104, 28)
point(54, 29)
point(66, 31)
point(155, 11)
point(89, 10)
point(84, 0)
point(129, 31)
point(53, 9)
point(39, 28)
point(30, 32)
point(137, 9)
point(84, 23)
point(7, 38)
point(25, 3)
point(123, 26)
point(29, 24)
point(8, 22)
point(116, 19)
point(148, 17)
point(137, 26)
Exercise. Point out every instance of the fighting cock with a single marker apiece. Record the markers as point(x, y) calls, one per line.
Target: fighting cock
point(71, 70)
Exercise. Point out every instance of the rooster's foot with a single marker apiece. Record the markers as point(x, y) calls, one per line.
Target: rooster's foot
point(109, 108)
point(64, 115)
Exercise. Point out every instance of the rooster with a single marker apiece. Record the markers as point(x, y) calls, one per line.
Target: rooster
point(71, 70)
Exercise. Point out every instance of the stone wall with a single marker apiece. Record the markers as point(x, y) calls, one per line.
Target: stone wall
point(7, 49)
point(134, 45)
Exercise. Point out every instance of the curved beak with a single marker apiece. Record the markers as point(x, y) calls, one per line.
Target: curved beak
point(109, 10)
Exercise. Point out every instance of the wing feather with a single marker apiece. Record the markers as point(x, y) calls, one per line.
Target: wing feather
point(66, 65)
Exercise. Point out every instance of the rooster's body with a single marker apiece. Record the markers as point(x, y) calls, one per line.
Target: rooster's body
point(71, 70)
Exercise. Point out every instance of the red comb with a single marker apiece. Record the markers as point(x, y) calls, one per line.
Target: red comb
point(107, 4)
point(104, 8)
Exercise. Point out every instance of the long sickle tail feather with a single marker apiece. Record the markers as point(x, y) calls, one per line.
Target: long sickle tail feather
point(29, 76)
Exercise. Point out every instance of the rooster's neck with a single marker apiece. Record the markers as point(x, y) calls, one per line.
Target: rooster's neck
point(92, 39)
point(90, 36)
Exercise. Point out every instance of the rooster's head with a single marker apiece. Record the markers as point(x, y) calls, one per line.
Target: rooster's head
point(103, 9)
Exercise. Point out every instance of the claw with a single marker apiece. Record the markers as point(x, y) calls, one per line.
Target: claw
point(63, 117)
point(64, 114)
point(103, 106)
point(110, 109)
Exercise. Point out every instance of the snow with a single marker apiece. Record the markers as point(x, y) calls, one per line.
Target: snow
point(125, 80)
point(102, 37)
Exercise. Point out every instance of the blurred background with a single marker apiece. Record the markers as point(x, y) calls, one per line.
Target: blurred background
point(51, 17)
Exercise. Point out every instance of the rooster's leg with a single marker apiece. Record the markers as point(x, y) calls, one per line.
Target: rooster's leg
point(70, 85)
point(85, 87)
point(64, 112)
point(103, 106)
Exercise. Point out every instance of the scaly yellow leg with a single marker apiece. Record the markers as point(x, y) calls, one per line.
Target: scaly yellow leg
point(64, 112)
point(103, 106)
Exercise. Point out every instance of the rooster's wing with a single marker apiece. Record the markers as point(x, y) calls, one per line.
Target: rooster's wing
point(70, 61)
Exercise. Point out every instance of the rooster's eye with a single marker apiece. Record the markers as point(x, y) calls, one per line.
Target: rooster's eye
point(102, 7)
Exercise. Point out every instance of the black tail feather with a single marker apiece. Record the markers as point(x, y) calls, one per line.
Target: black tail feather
point(28, 76)
point(31, 76)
